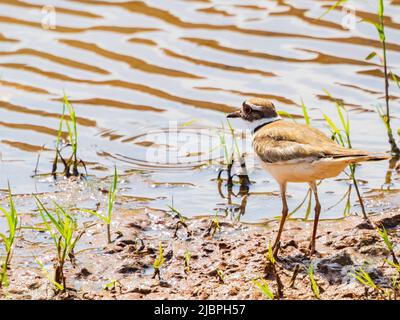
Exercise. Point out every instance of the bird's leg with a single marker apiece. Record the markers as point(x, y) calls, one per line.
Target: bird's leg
point(285, 211)
point(317, 209)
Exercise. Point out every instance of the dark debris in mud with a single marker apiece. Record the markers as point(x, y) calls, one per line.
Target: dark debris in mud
point(220, 266)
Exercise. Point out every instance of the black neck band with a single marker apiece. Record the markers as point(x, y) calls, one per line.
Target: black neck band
point(264, 124)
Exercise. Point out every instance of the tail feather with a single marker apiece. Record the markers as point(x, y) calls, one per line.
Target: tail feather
point(364, 158)
point(354, 155)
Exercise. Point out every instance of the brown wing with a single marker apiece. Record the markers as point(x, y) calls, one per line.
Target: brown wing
point(283, 141)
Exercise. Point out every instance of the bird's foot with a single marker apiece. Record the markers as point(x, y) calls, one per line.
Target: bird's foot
point(275, 249)
point(311, 249)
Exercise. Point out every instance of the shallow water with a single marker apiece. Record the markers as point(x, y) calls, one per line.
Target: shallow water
point(138, 71)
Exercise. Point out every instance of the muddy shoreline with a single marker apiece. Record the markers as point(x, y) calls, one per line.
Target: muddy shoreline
point(221, 266)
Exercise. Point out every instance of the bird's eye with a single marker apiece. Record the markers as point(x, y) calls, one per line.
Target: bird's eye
point(247, 109)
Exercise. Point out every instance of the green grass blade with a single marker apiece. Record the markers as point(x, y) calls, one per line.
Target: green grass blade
point(95, 213)
point(338, 3)
point(305, 113)
point(314, 285)
point(264, 288)
point(56, 284)
point(160, 259)
point(381, 9)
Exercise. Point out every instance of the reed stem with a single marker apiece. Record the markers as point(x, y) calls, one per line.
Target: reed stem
point(394, 148)
point(108, 233)
point(360, 199)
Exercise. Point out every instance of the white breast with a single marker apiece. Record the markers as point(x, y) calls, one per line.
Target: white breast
point(305, 170)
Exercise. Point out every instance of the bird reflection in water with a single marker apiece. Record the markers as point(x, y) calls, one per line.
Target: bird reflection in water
point(229, 183)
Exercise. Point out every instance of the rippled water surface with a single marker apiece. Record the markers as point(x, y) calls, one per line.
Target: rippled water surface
point(138, 72)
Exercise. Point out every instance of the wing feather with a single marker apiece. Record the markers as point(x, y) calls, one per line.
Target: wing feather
point(285, 141)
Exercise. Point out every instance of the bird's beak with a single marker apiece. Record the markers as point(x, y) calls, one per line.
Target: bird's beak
point(236, 114)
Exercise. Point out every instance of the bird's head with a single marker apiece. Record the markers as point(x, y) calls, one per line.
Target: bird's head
point(256, 111)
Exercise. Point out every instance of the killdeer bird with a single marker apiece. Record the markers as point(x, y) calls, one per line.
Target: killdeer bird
point(293, 152)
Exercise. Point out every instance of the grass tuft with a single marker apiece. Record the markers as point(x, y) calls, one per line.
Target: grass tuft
point(343, 137)
point(63, 230)
point(8, 240)
point(158, 262)
point(181, 220)
point(187, 257)
point(70, 122)
point(112, 195)
point(262, 285)
point(380, 28)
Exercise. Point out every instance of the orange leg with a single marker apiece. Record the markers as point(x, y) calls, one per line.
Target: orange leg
point(317, 209)
point(285, 211)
